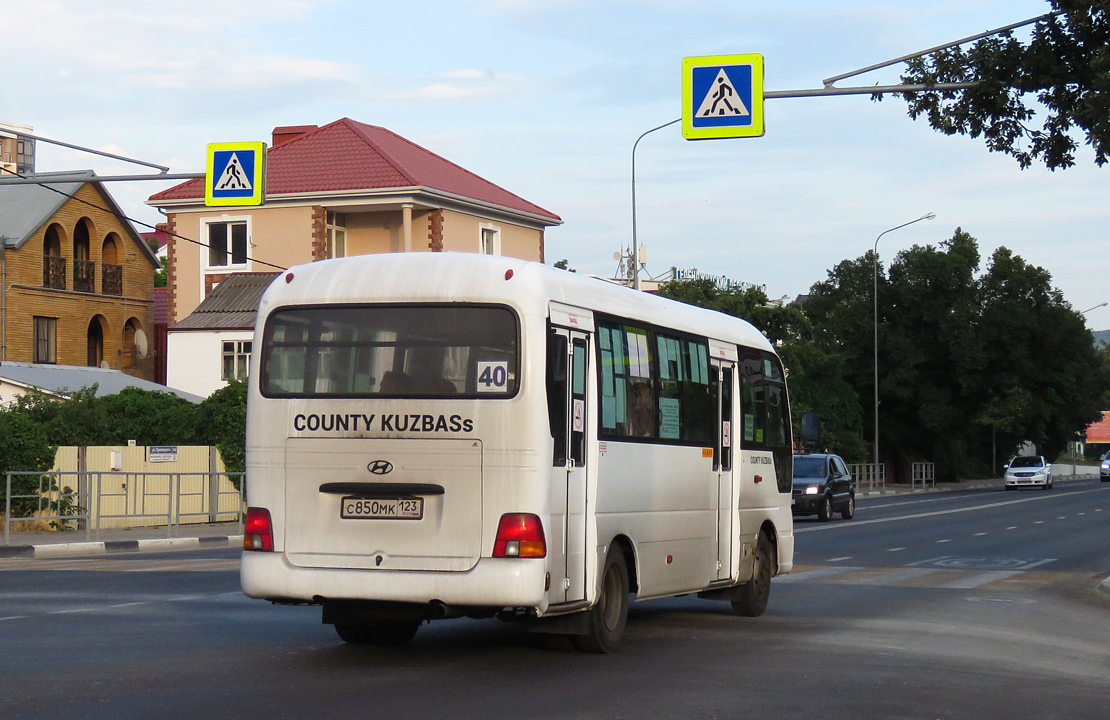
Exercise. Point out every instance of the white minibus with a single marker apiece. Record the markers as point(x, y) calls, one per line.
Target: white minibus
point(438, 435)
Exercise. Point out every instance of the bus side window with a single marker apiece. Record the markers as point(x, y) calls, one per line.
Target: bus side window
point(578, 398)
point(557, 396)
point(627, 395)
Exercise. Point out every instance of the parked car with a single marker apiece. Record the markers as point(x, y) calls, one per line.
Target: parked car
point(1104, 468)
point(822, 486)
point(1028, 471)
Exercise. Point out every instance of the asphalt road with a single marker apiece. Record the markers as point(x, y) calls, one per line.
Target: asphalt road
point(973, 604)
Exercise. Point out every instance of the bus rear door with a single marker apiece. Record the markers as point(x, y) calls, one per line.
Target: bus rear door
point(567, 382)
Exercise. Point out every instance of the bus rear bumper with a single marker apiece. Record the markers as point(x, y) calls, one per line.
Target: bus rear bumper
point(491, 583)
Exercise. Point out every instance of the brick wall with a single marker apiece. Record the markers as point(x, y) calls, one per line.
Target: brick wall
point(75, 312)
point(435, 230)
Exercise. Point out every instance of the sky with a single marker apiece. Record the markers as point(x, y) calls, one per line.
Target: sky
point(547, 97)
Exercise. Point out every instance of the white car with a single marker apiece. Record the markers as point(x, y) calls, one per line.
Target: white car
point(1029, 471)
point(1104, 468)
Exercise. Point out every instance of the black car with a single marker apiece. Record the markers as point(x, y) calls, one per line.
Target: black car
point(822, 486)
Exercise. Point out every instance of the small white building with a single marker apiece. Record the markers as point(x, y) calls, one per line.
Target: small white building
point(213, 344)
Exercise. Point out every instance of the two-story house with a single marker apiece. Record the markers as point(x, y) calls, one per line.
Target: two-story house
point(76, 280)
point(346, 188)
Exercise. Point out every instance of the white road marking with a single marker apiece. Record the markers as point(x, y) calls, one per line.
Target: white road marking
point(899, 549)
point(979, 534)
point(1002, 503)
point(840, 559)
point(981, 579)
point(944, 541)
point(813, 574)
point(898, 576)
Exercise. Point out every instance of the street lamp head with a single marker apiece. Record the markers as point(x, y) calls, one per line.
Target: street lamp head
point(928, 216)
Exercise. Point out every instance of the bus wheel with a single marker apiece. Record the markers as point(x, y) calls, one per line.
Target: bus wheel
point(609, 615)
point(385, 633)
point(752, 596)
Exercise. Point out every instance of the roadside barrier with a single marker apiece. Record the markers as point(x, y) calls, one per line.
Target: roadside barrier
point(90, 501)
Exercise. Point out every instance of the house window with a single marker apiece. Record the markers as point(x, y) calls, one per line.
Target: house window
point(227, 244)
point(490, 241)
point(237, 356)
point(46, 340)
point(337, 234)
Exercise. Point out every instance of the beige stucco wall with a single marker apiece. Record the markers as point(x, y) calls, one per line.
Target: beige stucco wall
point(284, 236)
point(381, 232)
point(462, 233)
point(278, 235)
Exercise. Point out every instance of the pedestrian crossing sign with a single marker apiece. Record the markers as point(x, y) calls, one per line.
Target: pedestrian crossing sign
point(722, 96)
point(236, 174)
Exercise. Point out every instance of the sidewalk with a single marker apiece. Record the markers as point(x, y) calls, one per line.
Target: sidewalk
point(130, 540)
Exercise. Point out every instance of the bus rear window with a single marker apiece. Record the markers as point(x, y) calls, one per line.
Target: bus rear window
point(392, 351)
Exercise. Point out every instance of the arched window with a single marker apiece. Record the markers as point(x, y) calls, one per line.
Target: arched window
point(111, 281)
point(84, 269)
point(96, 341)
point(53, 263)
point(134, 343)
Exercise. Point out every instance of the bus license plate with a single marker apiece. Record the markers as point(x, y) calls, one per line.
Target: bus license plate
point(355, 508)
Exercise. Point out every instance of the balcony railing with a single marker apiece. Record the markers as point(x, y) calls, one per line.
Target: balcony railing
point(111, 282)
point(54, 272)
point(84, 275)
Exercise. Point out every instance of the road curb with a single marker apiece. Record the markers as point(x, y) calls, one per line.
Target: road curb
point(1104, 585)
point(110, 547)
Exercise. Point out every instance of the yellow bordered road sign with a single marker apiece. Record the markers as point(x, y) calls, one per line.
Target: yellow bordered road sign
point(722, 96)
point(235, 174)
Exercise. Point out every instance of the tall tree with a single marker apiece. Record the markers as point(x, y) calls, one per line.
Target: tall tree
point(964, 356)
point(1059, 78)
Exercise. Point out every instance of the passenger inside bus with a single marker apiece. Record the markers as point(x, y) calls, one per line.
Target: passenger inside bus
point(639, 410)
point(395, 382)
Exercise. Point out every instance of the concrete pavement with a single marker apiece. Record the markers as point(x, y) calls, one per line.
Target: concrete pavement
point(74, 543)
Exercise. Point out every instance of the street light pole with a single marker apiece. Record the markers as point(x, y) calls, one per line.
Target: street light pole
point(635, 246)
point(875, 298)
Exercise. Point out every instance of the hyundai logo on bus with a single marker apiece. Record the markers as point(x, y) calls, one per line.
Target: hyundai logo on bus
point(380, 467)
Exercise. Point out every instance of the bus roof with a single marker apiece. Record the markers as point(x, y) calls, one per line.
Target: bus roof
point(472, 277)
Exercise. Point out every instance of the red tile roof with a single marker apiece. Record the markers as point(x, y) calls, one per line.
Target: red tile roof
point(349, 155)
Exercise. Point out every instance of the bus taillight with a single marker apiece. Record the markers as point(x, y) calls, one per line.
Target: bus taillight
point(519, 535)
point(258, 531)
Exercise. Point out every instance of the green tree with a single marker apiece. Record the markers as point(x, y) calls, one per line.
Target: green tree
point(221, 420)
point(147, 417)
point(1059, 78)
point(23, 446)
point(161, 275)
point(962, 354)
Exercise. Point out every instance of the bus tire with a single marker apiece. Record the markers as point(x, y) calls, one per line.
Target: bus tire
point(384, 633)
point(753, 595)
point(608, 617)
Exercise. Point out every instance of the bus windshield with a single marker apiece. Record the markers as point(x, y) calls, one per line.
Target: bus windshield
point(410, 351)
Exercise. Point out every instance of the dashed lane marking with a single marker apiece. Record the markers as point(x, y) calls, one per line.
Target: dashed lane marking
point(923, 577)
